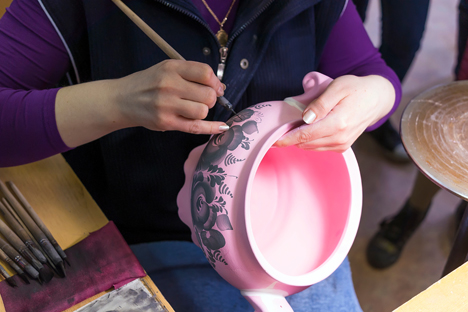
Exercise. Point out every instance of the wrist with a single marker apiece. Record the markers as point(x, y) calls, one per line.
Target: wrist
point(386, 96)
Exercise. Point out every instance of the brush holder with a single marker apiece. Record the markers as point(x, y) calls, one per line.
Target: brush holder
point(271, 221)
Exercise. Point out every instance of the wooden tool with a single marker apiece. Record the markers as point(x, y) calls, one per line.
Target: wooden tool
point(33, 228)
point(14, 266)
point(13, 254)
point(162, 44)
point(7, 277)
point(38, 220)
point(19, 232)
point(45, 273)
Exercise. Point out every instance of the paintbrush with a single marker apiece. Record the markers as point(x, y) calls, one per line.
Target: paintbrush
point(45, 273)
point(7, 277)
point(19, 231)
point(14, 266)
point(13, 254)
point(38, 220)
point(32, 227)
point(13, 239)
point(162, 44)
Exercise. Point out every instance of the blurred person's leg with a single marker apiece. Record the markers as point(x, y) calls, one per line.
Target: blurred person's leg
point(462, 32)
point(386, 245)
point(403, 24)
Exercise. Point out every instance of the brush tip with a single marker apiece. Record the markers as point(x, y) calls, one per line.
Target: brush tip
point(45, 274)
point(24, 277)
point(11, 282)
point(67, 262)
point(61, 269)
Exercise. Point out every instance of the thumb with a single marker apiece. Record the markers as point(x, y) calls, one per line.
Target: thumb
point(321, 106)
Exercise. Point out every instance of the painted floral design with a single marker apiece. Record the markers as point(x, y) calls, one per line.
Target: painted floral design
point(210, 186)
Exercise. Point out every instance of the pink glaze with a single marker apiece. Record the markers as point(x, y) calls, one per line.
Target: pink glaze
point(311, 233)
point(271, 221)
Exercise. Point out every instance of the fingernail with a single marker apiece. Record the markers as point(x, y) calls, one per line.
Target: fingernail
point(223, 128)
point(224, 86)
point(309, 117)
point(220, 90)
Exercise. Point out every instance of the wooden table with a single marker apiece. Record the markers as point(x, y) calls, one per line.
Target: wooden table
point(65, 206)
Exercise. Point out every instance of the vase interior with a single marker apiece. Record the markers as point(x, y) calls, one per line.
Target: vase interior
point(299, 206)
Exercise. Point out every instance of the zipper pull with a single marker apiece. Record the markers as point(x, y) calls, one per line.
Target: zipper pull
point(223, 52)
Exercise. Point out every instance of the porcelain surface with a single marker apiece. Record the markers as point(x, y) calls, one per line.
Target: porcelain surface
point(271, 221)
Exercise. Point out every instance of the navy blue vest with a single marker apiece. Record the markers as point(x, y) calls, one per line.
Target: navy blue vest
point(135, 174)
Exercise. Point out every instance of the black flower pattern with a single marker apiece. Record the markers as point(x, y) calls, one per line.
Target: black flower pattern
point(208, 206)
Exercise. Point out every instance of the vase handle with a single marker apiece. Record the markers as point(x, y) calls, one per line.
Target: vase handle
point(267, 302)
point(314, 84)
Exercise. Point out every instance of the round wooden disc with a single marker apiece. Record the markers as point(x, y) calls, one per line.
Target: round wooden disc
point(434, 131)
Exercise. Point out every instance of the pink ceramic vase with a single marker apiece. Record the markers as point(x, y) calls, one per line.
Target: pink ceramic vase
point(271, 221)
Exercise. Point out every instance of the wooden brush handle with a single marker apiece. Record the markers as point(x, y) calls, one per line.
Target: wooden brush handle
point(10, 262)
point(19, 229)
point(11, 237)
point(32, 213)
point(4, 272)
point(15, 226)
point(160, 42)
point(13, 254)
point(30, 224)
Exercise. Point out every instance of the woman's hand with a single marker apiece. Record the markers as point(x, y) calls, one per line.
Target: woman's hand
point(171, 95)
point(341, 113)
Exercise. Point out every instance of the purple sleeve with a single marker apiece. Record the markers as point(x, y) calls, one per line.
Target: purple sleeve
point(32, 61)
point(349, 50)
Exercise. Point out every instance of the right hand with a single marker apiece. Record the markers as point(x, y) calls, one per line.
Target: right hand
point(171, 95)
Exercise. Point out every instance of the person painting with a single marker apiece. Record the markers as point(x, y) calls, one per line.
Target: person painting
point(128, 117)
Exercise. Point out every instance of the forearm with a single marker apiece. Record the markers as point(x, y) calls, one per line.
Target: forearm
point(86, 112)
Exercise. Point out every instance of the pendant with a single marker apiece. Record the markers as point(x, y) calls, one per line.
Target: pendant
point(222, 37)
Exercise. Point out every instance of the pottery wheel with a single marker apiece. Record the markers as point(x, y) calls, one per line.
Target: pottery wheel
point(434, 130)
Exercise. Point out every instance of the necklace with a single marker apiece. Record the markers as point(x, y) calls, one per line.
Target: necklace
point(221, 34)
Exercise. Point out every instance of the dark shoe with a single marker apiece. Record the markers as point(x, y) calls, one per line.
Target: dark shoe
point(390, 142)
point(385, 247)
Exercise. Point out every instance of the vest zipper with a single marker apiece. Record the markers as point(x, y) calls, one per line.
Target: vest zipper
point(223, 51)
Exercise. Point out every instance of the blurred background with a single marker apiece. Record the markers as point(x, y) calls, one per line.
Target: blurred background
point(387, 185)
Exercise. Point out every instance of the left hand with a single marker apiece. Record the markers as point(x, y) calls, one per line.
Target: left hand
point(343, 111)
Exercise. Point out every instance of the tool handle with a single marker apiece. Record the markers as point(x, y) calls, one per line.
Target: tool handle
point(15, 226)
point(30, 224)
point(160, 42)
point(57, 253)
point(26, 240)
point(4, 272)
point(13, 254)
point(10, 262)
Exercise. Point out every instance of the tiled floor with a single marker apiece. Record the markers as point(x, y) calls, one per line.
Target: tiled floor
point(386, 185)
